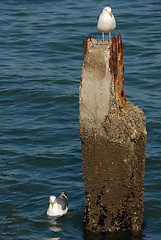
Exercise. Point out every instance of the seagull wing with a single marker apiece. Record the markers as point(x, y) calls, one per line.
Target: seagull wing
point(63, 202)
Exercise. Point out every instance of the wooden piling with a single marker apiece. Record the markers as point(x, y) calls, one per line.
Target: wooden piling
point(113, 136)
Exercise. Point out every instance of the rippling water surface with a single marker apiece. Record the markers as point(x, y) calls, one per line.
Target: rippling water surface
point(40, 68)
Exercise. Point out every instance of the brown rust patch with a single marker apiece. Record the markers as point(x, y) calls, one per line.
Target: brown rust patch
point(89, 37)
point(117, 70)
point(85, 43)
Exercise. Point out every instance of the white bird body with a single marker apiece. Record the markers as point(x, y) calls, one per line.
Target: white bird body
point(58, 206)
point(106, 22)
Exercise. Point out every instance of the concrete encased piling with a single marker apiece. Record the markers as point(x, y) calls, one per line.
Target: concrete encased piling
point(113, 136)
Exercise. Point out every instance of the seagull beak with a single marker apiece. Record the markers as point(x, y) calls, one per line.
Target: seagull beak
point(110, 13)
point(52, 204)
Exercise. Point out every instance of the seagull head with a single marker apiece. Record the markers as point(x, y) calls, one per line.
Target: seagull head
point(52, 200)
point(108, 9)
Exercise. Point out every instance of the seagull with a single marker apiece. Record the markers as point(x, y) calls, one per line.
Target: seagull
point(106, 22)
point(58, 206)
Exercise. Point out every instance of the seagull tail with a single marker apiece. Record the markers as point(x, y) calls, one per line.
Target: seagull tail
point(64, 194)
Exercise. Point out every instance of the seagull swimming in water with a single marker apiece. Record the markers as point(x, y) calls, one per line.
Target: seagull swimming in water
point(58, 206)
point(106, 22)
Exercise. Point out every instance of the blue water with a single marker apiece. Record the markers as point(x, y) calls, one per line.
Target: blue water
point(41, 58)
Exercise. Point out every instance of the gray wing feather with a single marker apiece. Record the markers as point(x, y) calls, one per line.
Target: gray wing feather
point(63, 202)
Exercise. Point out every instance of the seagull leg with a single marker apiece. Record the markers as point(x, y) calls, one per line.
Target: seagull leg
point(110, 37)
point(103, 40)
point(103, 36)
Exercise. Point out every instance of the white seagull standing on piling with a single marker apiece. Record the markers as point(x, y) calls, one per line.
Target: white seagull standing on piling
point(58, 206)
point(106, 22)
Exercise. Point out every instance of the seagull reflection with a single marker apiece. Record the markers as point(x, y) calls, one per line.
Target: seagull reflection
point(54, 225)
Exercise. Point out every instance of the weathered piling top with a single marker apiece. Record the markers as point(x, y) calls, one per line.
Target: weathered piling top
point(102, 94)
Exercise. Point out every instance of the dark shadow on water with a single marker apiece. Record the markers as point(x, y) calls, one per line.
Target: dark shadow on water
point(113, 236)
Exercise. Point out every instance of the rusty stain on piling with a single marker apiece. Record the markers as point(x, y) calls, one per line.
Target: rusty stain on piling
point(85, 43)
point(117, 70)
